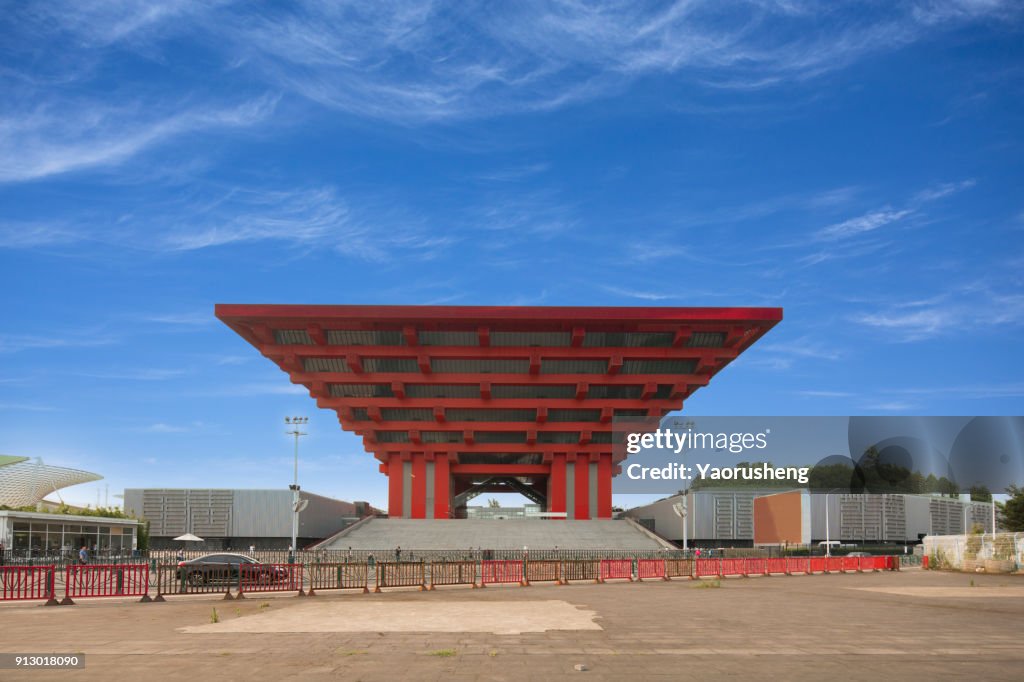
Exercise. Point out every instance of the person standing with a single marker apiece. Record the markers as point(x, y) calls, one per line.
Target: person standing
point(83, 555)
point(398, 553)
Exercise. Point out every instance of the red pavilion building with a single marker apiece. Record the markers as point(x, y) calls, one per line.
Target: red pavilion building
point(456, 401)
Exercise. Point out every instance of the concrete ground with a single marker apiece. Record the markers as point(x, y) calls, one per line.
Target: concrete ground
point(913, 624)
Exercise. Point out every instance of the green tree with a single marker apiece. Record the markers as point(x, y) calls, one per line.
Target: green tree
point(143, 539)
point(1011, 512)
point(493, 503)
point(980, 493)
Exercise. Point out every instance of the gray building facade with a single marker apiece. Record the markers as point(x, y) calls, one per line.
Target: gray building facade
point(717, 518)
point(236, 519)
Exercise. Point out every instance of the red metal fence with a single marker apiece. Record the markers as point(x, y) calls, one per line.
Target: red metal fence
point(541, 571)
point(651, 568)
point(616, 569)
point(125, 580)
point(337, 577)
point(404, 574)
point(98, 580)
point(269, 578)
point(706, 567)
point(452, 573)
point(492, 572)
point(580, 569)
point(678, 568)
point(27, 582)
point(204, 579)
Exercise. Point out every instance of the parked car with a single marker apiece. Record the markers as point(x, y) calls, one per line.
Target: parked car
point(860, 554)
point(222, 567)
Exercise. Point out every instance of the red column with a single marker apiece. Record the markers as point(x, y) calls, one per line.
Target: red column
point(442, 495)
point(582, 485)
point(418, 508)
point(604, 487)
point(395, 486)
point(556, 499)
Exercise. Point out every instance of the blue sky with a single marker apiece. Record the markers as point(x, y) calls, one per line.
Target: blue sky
point(858, 164)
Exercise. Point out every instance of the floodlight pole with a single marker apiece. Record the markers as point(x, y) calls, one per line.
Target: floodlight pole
point(295, 422)
point(828, 547)
point(688, 425)
point(686, 495)
point(993, 519)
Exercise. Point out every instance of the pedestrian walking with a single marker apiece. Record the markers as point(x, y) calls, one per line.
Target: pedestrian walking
point(83, 555)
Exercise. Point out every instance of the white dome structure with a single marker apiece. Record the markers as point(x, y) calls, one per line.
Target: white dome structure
point(24, 483)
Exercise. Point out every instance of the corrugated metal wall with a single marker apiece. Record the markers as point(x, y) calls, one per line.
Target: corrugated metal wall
point(726, 515)
point(235, 513)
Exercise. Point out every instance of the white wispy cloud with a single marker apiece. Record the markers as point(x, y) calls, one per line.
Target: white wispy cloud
point(410, 62)
point(913, 325)
point(249, 389)
point(46, 139)
point(901, 398)
point(142, 374)
point(890, 405)
point(979, 306)
point(825, 394)
point(878, 218)
point(13, 343)
point(189, 319)
point(100, 23)
point(639, 294)
point(160, 427)
point(512, 174)
point(864, 223)
point(942, 190)
point(802, 347)
point(307, 217)
point(29, 235)
point(375, 229)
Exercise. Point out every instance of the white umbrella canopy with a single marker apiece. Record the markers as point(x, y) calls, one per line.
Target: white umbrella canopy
point(188, 537)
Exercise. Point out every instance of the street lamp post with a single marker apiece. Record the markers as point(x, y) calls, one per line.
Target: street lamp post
point(681, 510)
point(295, 423)
point(828, 547)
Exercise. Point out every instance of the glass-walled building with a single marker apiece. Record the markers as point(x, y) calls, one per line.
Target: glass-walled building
point(38, 534)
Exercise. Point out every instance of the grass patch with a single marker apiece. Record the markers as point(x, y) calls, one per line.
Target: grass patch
point(707, 584)
point(354, 652)
point(443, 653)
point(214, 618)
point(265, 605)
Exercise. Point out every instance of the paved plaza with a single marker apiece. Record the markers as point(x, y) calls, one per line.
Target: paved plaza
point(912, 624)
